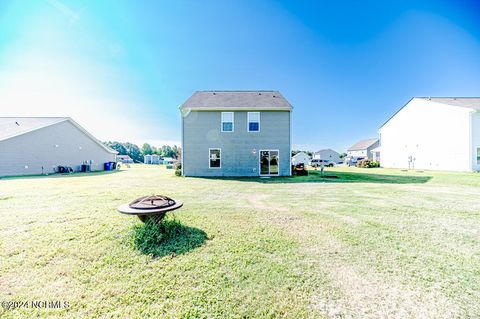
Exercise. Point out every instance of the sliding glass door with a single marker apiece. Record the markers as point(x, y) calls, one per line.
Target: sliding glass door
point(269, 162)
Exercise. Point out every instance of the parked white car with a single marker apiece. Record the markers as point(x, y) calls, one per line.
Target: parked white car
point(319, 162)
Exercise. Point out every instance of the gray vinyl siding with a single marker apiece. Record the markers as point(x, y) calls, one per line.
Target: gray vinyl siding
point(370, 148)
point(202, 131)
point(37, 148)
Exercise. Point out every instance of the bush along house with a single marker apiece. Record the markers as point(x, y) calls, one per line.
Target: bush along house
point(236, 133)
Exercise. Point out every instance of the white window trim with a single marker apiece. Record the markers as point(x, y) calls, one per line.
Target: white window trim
point(233, 122)
point(259, 171)
point(248, 122)
point(214, 148)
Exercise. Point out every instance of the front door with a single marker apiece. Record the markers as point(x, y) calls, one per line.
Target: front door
point(269, 162)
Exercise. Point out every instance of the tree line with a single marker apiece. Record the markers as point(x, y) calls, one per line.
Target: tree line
point(137, 153)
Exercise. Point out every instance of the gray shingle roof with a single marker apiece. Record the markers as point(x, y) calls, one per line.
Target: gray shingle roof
point(14, 126)
point(363, 144)
point(325, 149)
point(236, 100)
point(469, 102)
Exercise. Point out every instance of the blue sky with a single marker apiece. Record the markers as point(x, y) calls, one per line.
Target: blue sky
point(121, 68)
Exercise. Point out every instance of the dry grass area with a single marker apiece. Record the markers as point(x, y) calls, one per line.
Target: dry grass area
point(373, 243)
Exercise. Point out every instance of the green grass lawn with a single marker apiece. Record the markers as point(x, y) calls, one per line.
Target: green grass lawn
point(372, 243)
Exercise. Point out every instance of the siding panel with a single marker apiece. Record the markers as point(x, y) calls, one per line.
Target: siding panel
point(37, 149)
point(436, 136)
point(201, 131)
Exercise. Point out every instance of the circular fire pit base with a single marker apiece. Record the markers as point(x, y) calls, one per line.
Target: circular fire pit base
point(150, 208)
point(152, 218)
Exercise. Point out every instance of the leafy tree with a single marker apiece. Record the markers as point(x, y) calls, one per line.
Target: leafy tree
point(343, 155)
point(167, 151)
point(134, 152)
point(137, 154)
point(179, 152)
point(147, 149)
point(175, 150)
point(117, 146)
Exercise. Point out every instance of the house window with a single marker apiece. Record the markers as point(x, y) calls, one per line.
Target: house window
point(227, 121)
point(478, 155)
point(253, 121)
point(215, 157)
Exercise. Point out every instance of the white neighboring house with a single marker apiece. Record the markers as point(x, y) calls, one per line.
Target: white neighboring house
point(168, 160)
point(328, 154)
point(363, 149)
point(124, 159)
point(300, 158)
point(151, 159)
point(38, 145)
point(376, 154)
point(433, 133)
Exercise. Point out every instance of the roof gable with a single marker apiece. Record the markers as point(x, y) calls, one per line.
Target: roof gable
point(14, 126)
point(301, 154)
point(472, 103)
point(468, 102)
point(326, 150)
point(363, 144)
point(236, 100)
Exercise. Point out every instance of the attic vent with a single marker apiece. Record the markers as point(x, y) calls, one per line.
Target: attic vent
point(259, 93)
point(214, 93)
point(274, 96)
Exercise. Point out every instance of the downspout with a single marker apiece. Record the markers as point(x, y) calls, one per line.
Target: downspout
point(470, 138)
point(181, 142)
point(290, 151)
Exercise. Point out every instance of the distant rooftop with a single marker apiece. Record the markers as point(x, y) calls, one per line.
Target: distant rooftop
point(236, 100)
point(13, 126)
point(469, 102)
point(325, 149)
point(363, 144)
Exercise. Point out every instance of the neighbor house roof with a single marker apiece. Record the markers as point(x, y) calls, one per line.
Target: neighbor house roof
point(467, 102)
point(325, 149)
point(236, 100)
point(363, 144)
point(15, 126)
point(301, 153)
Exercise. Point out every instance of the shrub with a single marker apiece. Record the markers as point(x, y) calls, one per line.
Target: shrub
point(374, 164)
point(169, 237)
point(178, 168)
point(366, 163)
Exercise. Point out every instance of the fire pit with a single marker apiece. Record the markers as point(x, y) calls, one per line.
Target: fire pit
point(150, 208)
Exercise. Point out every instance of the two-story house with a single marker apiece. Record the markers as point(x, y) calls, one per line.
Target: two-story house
point(363, 149)
point(236, 133)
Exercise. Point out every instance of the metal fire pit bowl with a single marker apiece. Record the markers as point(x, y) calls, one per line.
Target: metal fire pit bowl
point(150, 208)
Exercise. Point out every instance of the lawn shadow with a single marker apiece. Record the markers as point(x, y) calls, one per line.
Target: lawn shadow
point(169, 237)
point(58, 175)
point(335, 177)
